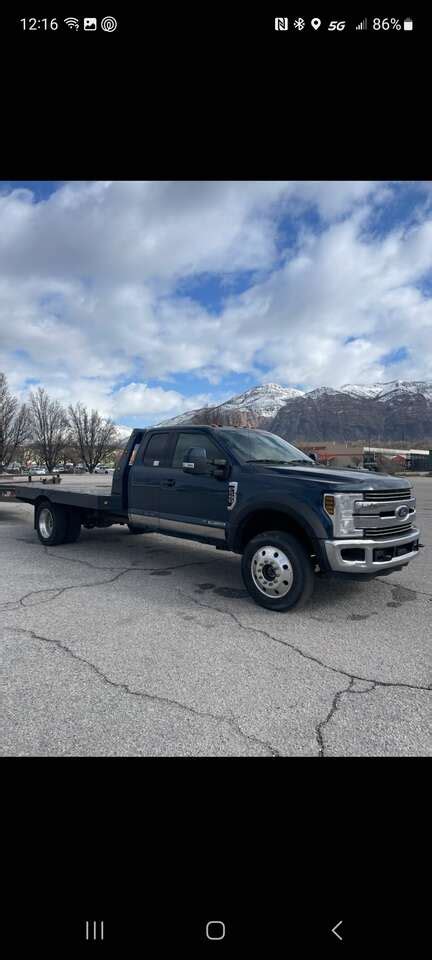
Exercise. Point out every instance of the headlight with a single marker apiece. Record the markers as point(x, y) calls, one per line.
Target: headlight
point(339, 507)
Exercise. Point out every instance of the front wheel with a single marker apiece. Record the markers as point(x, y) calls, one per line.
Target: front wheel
point(277, 571)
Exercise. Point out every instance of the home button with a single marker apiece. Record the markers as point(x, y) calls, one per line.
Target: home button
point(215, 930)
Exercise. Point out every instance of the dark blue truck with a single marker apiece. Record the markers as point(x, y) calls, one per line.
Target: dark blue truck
point(250, 492)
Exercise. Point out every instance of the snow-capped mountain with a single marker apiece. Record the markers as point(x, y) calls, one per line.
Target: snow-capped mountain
point(321, 392)
point(396, 410)
point(246, 409)
point(264, 401)
point(182, 418)
point(374, 390)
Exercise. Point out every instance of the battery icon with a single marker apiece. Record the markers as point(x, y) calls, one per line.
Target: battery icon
point(408, 24)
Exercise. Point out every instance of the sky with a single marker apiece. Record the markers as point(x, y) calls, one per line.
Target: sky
point(144, 299)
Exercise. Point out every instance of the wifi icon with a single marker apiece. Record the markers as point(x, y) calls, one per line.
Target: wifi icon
point(72, 23)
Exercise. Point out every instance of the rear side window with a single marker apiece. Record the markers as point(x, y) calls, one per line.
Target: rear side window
point(187, 440)
point(135, 448)
point(155, 454)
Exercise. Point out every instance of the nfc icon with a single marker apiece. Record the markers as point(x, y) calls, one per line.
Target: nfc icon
point(94, 929)
point(281, 23)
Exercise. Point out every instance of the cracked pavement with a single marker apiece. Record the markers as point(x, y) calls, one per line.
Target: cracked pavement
point(150, 646)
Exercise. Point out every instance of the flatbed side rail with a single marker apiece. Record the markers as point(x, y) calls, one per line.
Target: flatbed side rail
point(29, 478)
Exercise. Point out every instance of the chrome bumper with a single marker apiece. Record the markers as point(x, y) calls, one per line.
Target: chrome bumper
point(367, 564)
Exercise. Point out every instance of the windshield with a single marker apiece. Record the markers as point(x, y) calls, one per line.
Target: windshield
point(258, 446)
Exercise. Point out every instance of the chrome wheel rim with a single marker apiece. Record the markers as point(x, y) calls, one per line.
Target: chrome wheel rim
point(46, 523)
point(272, 572)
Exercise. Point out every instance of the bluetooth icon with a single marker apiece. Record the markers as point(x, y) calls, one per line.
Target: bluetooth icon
point(299, 24)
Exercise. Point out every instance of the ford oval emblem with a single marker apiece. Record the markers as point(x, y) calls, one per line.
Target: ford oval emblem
point(402, 512)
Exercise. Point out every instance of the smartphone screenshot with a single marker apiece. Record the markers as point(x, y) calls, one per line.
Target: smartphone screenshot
point(216, 475)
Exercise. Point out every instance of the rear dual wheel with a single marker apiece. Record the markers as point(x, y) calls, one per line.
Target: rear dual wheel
point(55, 524)
point(73, 526)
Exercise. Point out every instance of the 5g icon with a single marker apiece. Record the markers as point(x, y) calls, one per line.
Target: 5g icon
point(281, 23)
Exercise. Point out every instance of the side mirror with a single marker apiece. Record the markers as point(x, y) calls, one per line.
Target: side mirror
point(195, 461)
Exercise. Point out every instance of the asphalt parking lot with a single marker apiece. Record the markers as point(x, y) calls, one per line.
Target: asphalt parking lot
point(150, 646)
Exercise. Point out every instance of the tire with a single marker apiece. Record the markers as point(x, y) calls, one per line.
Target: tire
point(270, 558)
point(135, 530)
point(73, 528)
point(51, 523)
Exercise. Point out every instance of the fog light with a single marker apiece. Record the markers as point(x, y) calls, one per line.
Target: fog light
point(353, 553)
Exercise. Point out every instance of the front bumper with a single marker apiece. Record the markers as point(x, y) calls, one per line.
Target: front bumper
point(371, 556)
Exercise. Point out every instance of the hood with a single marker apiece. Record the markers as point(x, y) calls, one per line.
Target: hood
point(347, 478)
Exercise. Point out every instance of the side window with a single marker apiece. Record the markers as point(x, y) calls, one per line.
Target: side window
point(187, 440)
point(155, 453)
point(135, 448)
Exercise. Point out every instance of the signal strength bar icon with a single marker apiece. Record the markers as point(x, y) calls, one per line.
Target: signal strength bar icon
point(362, 25)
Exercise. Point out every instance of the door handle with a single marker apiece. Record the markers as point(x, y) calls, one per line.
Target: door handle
point(168, 483)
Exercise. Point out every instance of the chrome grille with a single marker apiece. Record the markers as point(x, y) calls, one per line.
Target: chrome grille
point(378, 533)
point(383, 495)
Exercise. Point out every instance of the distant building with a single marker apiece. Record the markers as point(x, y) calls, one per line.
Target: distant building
point(357, 455)
point(334, 454)
point(411, 459)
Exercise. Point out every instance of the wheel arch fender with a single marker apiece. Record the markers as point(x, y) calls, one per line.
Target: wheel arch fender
point(265, 515)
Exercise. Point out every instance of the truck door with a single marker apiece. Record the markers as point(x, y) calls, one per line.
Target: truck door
point(194, 505)
point(144, 480)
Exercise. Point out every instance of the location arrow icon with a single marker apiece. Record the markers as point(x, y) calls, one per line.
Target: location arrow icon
point(334, 929)
point(315, 23)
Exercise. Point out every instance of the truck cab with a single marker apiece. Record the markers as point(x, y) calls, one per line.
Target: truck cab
point(253, 493)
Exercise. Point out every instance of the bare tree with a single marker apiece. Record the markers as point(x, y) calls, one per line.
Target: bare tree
point(71, 451)
point(14, 423)
point(50, 426)
point(94, 435)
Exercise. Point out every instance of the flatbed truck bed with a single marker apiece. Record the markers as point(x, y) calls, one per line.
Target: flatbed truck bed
point(94, 500)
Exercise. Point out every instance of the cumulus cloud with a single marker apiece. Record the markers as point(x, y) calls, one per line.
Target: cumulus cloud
point(89, 281)
point(155, 401)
